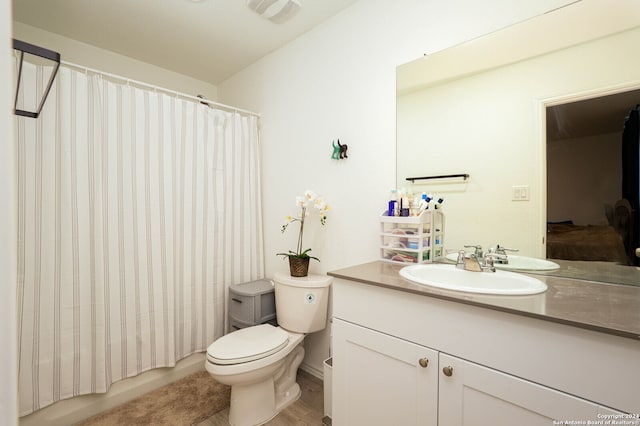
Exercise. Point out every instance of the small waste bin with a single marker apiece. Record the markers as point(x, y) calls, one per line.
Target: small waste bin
point(328, 383)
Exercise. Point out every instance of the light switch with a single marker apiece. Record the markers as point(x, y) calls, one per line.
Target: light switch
point(520, 192)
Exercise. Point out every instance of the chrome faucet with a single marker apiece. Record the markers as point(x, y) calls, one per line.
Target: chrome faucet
point(477, 249)
point(500, 253)
point(471, 262)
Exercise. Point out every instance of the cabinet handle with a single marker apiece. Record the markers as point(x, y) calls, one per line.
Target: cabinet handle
point(423, 362)
point(448, 371)
point(236, 300)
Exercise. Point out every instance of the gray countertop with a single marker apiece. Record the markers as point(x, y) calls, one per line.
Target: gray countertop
point(606, 308)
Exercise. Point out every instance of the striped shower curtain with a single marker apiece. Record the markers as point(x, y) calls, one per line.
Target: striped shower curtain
point(136, 211)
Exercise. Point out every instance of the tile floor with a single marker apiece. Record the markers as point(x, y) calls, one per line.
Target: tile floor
point(306, 411)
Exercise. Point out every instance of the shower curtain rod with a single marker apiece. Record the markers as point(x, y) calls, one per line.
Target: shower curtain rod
point(155, 88)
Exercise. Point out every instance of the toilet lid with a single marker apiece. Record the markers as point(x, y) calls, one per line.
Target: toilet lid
point(247, 344)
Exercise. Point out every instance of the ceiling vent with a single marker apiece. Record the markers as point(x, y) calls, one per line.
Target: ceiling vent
point(277, 11)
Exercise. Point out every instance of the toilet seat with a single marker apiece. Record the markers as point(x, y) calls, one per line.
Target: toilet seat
point(247, 344)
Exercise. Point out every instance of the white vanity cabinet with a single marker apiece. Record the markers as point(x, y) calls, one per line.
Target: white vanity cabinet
point(475, 395)
point(383, 380)
point(505, 369)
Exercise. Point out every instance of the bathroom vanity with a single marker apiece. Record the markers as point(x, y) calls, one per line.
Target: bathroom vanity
point(408, 354)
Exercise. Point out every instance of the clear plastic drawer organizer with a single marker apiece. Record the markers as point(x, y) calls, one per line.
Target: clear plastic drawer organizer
point(412, 239)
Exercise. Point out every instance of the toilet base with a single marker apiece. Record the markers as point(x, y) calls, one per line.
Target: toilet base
point(291, 396)
point(252, 404)
point(258, 414)
point(257, 403)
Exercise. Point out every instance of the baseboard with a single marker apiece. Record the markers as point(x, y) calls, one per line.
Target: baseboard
point(312, 370)
point(70, 411)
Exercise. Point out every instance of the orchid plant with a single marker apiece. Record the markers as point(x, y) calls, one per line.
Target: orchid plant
point(307, 201)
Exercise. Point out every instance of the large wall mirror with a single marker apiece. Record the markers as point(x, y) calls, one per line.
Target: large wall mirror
point(534, 114)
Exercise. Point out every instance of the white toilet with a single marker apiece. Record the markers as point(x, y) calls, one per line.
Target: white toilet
point(260, 363)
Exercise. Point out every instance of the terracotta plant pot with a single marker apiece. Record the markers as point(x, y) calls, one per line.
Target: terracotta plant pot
point(298, 266)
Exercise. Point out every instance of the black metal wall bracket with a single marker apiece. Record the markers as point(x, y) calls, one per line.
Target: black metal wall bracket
point(41, 52)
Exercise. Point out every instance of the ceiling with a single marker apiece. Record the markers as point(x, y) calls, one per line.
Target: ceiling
point(209, 40)
point(596, 116)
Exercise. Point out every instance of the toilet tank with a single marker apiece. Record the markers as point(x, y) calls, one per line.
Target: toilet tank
point(301, 302)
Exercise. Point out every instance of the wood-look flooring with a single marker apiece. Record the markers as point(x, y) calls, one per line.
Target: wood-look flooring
point(306, 411)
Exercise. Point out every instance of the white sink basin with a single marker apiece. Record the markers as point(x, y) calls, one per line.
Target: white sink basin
point(449, 277)
point(520, 263)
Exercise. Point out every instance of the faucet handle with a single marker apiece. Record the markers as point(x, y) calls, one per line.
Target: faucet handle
point(477, 248)
point(488, 263)
point(492, 255)
point(502, 249)
point(460, 259)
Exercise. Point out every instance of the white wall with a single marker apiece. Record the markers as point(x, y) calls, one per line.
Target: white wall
point(90, 56)
point(8, 279)
point(584, 177)
point(338, 81)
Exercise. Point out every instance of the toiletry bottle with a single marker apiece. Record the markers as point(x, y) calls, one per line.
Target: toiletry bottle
point(404, 205)
point(392, 203)
point(410, 204)
point(423, 202)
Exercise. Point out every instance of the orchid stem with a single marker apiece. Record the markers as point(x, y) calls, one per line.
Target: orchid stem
point(301, 231)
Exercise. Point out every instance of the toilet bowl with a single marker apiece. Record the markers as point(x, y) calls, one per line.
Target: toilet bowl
point(260, 363)
point(264, 384)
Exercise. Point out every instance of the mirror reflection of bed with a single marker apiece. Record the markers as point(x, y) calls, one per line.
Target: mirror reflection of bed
point(592, 180)
point(566, 240)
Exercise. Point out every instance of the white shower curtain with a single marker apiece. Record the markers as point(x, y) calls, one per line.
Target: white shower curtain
point(136, 211)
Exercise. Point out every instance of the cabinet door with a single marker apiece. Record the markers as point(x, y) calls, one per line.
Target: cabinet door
point(381, 380)
point(471, 394)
